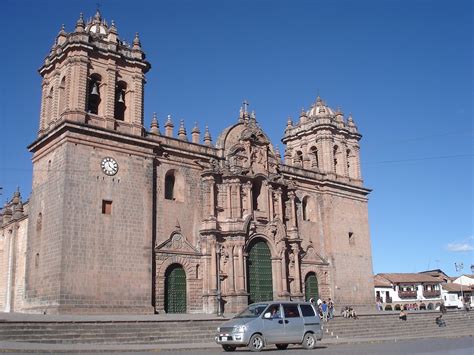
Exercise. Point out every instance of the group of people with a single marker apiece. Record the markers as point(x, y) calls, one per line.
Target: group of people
point(349, 312)
point(325, 309)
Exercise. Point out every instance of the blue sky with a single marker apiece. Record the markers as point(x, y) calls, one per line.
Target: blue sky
point(403, 68)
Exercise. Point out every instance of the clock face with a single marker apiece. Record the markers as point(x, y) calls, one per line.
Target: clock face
point(109, 166)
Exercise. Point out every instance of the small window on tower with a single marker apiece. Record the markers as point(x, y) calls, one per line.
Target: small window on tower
point(106, 207)
point(351, 238)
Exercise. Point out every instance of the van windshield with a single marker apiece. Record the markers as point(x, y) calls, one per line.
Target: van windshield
point(252, 311)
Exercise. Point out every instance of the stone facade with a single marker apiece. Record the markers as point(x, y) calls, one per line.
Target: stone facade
point(122, 219)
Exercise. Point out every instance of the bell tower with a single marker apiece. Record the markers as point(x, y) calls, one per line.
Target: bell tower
point(92, 77)
point(91, 200)
point(325, 142)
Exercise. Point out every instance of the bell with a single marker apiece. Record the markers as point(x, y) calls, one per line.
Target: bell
point(95, 89)
point(120, 98)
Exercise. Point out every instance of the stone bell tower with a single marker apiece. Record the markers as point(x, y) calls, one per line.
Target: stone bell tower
point(90, 217)
point(91, 76)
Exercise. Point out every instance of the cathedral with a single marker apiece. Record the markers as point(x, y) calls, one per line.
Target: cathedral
point(125, 219)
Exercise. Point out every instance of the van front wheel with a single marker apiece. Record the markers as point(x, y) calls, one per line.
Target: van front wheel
point(228, 347)
point(309, 341)
point(256, 342)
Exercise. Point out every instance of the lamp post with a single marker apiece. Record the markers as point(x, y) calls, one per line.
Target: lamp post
point(219, 293)
point(459, 267)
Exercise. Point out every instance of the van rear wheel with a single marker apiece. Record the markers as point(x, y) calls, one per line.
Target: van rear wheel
point(309, 341)
point(256, 342)
point(228, 347)
point(281, 346)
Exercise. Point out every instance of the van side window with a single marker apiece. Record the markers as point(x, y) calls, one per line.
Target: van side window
point(307, 310)
point(291, 311)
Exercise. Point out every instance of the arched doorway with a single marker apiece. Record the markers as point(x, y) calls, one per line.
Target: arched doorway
point(311, 287)
point(259, 272)
point(175, 289)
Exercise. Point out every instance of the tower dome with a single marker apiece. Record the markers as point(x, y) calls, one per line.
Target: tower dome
point(320, 109)
point(97, 25)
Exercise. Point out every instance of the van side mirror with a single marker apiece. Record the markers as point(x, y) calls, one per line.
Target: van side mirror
point(267, 315)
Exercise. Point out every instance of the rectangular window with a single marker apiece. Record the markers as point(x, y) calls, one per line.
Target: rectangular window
point(291, 311)
point(307, 310)
point(106, 207)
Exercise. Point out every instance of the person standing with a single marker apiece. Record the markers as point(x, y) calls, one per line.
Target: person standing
point(324, 310)
point(331, 309)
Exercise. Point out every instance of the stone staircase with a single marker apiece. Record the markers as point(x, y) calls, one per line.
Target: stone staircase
point(383, 325)
point(124, 332)
point(371, 327)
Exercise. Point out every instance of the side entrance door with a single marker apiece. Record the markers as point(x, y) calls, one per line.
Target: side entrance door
point(175, 289)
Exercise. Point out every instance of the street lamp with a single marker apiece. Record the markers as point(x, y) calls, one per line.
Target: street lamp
point(459, 267)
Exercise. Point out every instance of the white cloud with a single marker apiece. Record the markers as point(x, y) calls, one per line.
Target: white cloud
point(459, 247)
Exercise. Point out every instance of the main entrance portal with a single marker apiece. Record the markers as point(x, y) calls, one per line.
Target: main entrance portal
point(175, 289)
point(259, 273)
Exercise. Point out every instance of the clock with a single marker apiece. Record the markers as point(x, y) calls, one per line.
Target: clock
point(109, 166)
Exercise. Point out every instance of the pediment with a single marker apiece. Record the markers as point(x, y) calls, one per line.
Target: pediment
point(176, 244)
point(311, 256)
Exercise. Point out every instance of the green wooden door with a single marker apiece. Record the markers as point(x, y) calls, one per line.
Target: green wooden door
point(311, 287)
point(259, 273)
point(175, 289)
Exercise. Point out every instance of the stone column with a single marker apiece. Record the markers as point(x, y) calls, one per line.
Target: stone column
point(206, 265)
point(279, 204)
point(229, 201)
point(291, 194)
point(231, 276)
point(9, 292)
point(276, 274)
point(241, 268)
point(239, 200)
point(270, 203)
point(295, 248)
point(248, 187)
point(213, 281)
point(109, 93)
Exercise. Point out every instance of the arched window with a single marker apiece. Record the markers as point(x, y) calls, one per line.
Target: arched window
point(256, 192)
point(62, 96)
point(49, 105)
point(335, 154)
point(314, 157)
point(298, 159)
point(93, 94)
point(120, 106)
point(309, 209)
point(169, 186)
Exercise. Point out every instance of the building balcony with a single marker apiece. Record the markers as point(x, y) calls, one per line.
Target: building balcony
point(431, 294)
point(407, 294)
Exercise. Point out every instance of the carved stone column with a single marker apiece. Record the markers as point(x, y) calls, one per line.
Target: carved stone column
point(279, 206)
point(270, 203)
point(292, 196)
point(240, 268)
point(248, 188)
point(238, 200)
point(296, 252)
point(229, 201)
point(231, 276)
point(213, 274)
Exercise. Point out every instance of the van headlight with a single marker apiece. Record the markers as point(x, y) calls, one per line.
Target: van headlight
point(240, 328)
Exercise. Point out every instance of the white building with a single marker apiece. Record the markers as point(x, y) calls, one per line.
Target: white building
point(408, 290)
